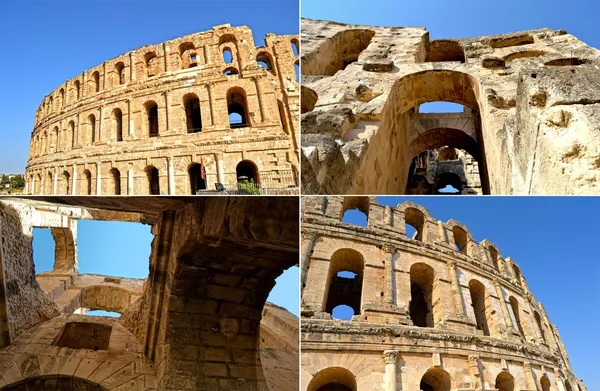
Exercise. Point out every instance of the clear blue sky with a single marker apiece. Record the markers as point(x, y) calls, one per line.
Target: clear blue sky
point(48, 42)
point(554, 240)
point(123, 249)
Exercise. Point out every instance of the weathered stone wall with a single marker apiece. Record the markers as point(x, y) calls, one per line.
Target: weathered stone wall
point(482, 325)
point(94, 134)
point(532, 95)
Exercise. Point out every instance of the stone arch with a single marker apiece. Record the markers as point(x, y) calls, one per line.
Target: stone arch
point(516, 309)
point(363, 204)
point(38, 185)
point(518, 275)
point(151, 118)
point(197, 176)
point(496, 258)
point(151, 64)
point(51, 382)
point(237, 104)
point(49, 184)
point(524, 54)
point(54, 140)
point(505, 381)
point(61, 95)
point(332, 379)
point(461, 237)
point(65, 183)
point(540, 325)
point(188, 57)
point(444, 179)
point(247, 171)
point(228, 42)
point(480, 303)
point(417, 219)
point(265, 60)
point(115, 176)
point(568, 385)
point(77, 90)
point(153, 180)
point(445, 50)
point(87, 182)
point(64, 250)
point(105, 297)
point(423, 295)
point(95, 82)
point(91, 137)
point(193, 115)
point(344, 290)
point(118, 74)
point(117, 124)
point(230, 71)
point(436, 379)
point(545, 383)
point(344, 47)
point(71, 133)
point(295, 47)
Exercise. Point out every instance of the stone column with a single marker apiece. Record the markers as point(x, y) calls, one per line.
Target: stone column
point(54, 182)
point(167, 109)
point(259, 93)
point(171, 175)
point(307, 248)
point(26, 186)
point(130, 181)
point(220, 170)
point(476, 378)
point(210, 87)
point(33, 185)
point(130, 118)
point(131, 66)
point(503, 306)
point(99, 127)
point(457, 291)
point(531, 385)
point(74, 184)
point(388, 293)
point(391, 377)
point(98, 180)
point(388, 214)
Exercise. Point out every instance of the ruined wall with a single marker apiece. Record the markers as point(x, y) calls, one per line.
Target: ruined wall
point(364, 85)
point(478, 325)
point(165, 107)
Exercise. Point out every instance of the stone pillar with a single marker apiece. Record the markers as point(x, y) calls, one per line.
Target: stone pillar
point(390, 357)
point(388, 293)
point(307, 248)
point(259, 93)
point(456, 291)
point(54, 182)
point(33, 185)
point(167, 108)
point(220, 170)
point(130, 117)
point(171, 174)
point(131, 66)
point(130, 181)
point(529, 381)
point(26, 186)
point(100, 133)
point(388, 216)
point(476, 378)
point(98, 180)
point(76, 131)
point(210, 87)
point(504, 307)
point(74, 184)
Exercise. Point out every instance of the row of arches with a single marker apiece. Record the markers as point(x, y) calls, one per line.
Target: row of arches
point(345, 286)
point(246, 172)
point(434, 379)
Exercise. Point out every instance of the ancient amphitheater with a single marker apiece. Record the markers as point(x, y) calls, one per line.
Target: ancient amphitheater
point(198, 322)
point(173, 118)
point(528, 126)
point(433, 312)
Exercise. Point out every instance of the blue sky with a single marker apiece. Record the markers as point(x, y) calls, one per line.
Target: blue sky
point(128, 256)
point(554, 241)
point(52, 41)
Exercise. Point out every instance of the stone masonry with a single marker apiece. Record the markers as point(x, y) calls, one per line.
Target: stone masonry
point(198, 322)
point(156, 120)
point(435, 311)
point(530, 103)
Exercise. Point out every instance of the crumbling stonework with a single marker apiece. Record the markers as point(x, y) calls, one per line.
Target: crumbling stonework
point(530, 102)
point(156, 120)
point(198, 322)
point(436, 311)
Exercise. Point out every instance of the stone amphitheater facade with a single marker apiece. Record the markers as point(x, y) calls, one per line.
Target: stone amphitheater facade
point(436, 311)
point(529, 121)
point(199, 321)
point(156, 120)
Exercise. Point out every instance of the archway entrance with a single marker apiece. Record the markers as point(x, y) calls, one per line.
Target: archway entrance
point(66, 383)
point(333, 379)
point(197, 178)
point(435, 379)
point(505, 381)
point(246, 171)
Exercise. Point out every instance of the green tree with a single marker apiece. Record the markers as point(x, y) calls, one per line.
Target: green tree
point(17, 182)
point(4, 180)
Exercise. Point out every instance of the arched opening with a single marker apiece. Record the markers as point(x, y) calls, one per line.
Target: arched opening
point(478, 299)
point(514, 305)
point(230, 71)
point(517, 274)
point(524, 54)
point(568, 386)
point(87, 177)
point(540, 325)
point(345, 283)
point(445, 50)
point(151, 118)
point(151, 62)
point(448, 183)
point(66, 185)
point(54, 141)
point(247, 172)
point(96, 81)
point(153, 180)
point(571, 61)
point(295, 47)
point(345, 48)
point(64, 382)
point(435, 379)
point(283, 117)
point(187, 55)
point(505, 382)
point(495, 258)
point(116, 179)
point(237, 108)
point(119, 74)
point(263, 59)
point(71, 127)
point(333, 379)
point(227, 56)
point(77, 89)
point(447, 153)
point(197, 177)
point(61, 95)
point(415, 219)
point(545, 383)
point(355, 210)
point(193, 117)
point(92, 128)
point(49, 184)
point(297, 71)
point(38, 185)
point(117, 117)
point(460, 239)
point(421, 295)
